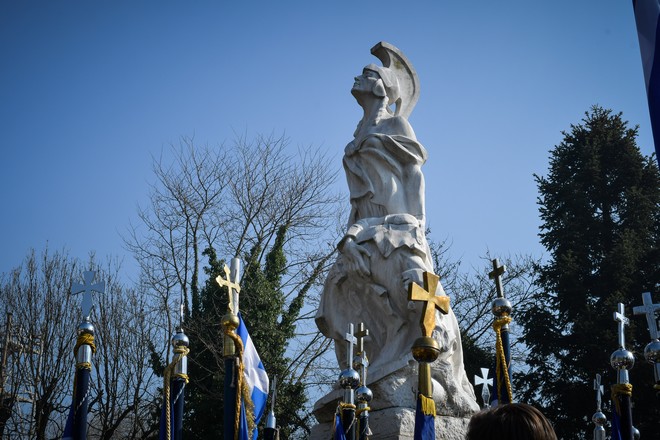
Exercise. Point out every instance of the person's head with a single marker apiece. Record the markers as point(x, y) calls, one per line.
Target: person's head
point(513, 421)
point(379, 81)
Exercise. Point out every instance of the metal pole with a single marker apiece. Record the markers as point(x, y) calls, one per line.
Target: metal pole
point(177, 390)
point(83, 371)
point(622, 360)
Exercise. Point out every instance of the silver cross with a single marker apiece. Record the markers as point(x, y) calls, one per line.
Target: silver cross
point(649, 310)
point(620, 317)
point(484, 381)
point(599, 391)
point(352, 340)
point(87, 288)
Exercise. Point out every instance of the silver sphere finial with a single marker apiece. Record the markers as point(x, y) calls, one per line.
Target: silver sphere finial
point(349, 378)
point(364, 395)
point(622, 359)
point(501, 307)
point(86, 327)
point(180, 339)
point(652, 351)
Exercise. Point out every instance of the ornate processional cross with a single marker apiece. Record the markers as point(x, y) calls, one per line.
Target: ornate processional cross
point(649, 309)
point(361, 334)
point(352, 340)
point(231, 282)
point(484, 381)
point(427, 294)
point(496, 274)
point(599, 392)
point(86, 289)
point(620, 317)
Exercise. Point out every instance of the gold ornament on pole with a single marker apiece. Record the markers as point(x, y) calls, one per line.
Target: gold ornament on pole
point(425, 350)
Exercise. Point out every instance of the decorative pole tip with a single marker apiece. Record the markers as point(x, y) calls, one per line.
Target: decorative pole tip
point(180, 339)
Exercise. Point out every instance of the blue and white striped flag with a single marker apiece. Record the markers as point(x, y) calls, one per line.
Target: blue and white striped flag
point(647, 15)
point(257, 379)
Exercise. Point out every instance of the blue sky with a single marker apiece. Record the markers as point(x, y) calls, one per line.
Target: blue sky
point(90, 91)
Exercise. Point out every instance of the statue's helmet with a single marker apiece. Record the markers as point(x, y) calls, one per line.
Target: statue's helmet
point(390, 81)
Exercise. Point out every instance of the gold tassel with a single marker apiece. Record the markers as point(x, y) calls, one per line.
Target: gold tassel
point(428, 405)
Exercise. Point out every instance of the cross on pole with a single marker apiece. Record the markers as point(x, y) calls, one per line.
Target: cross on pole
point(86, 289)
point(352, 340)
point(231, 282)
point(496, 274)
point(361, 334)
point(620, 317)
point(427, 294)
point(649, 309)
point(599, 391)
point(484, 381)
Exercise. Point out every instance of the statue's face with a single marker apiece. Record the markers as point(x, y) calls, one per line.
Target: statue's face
point(365, 83)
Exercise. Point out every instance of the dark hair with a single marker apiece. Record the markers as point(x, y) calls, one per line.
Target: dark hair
point(512, 421)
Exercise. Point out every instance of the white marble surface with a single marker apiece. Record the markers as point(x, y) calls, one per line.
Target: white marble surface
point(385, 248)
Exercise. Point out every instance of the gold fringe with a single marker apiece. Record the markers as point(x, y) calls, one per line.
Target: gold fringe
point(428, 405)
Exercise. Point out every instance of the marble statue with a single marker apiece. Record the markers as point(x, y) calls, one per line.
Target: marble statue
point(385, 249)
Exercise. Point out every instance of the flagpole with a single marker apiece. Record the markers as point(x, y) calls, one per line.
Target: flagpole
point(363, 394)
point(425, 350)
point(652, 349)
point(179, 380)
point(230, 323)
point(83, 350)
point(502, 311)
point(270, 431)
point(599, 418)
point(349, 380)
point(622, 360)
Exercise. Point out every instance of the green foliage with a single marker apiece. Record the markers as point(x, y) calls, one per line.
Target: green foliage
point(204, 393)
point(271, 321)
point(600, 208)
point(271, 325)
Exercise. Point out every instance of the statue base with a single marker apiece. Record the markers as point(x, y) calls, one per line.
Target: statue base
point(392, 414)
point(399, 424)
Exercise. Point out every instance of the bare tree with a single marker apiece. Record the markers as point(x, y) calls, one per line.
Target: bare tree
point(235, 199)
point(36, 293)
point(41, 369)
point(472, 292)
point(125, 384)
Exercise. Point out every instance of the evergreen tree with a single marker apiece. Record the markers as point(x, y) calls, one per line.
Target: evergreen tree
point(270, 316)
point(600, 212)
point(204, 393)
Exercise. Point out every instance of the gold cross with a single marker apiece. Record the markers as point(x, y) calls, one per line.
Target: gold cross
point(427, 294)
point(232, 286)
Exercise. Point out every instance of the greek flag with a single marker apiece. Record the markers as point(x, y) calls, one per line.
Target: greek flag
point(647, 15)
point(257, 380)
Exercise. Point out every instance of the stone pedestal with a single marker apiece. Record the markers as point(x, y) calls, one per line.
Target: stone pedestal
point(399, 424)
point(392, 414)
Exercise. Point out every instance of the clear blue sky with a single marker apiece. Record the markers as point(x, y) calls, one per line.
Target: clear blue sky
point(89, 91)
